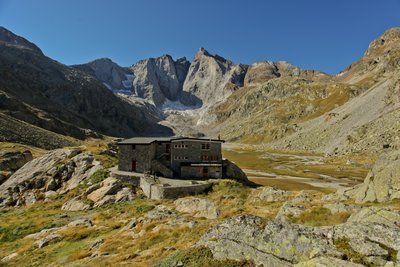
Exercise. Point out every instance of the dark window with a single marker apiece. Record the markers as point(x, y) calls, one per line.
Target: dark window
point(133, 147)
point(205, 146)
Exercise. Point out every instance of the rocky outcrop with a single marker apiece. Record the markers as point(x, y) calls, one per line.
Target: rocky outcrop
point(75, 204)
point(277, 243)
point(59, 170)
point(157, 79)
point(382, 183)
point(198, 207)
point(110, 190)
point(263, 71)
point(109, 186)
point(210, 79)
point(108, 72)
point(232, 171)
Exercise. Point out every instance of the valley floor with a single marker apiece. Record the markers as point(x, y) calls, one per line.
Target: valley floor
point(289, 170)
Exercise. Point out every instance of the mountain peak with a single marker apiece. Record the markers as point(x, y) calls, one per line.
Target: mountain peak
point(202, 52)
point(12, 39)
point(385, 42)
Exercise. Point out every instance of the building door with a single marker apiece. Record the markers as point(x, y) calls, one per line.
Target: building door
point(134, 165)
point(205, 172)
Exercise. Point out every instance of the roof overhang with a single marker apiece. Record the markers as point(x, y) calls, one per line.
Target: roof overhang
point(149, 140)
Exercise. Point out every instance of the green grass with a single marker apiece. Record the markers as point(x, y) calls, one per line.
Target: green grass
point(97, 177)
point(144, 208)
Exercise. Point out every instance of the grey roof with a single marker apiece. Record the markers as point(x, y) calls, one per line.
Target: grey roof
point(149, 140)
point(145, 140)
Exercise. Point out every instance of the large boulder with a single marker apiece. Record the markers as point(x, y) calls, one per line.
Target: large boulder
point(109, 186)
point(58, 170)
point(232, 171)
point(277, 243)
point(383, 181)
point(199, 207)
point(110, 190)
point(75, 204)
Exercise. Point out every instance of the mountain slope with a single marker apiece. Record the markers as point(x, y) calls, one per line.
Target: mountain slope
point(45, 93)
point(369, 122)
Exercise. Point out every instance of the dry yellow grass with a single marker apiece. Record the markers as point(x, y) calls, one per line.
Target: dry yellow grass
point(36, 152)
point(262, 165)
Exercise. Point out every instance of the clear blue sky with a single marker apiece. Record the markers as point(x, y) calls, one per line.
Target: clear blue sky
point(313, 34)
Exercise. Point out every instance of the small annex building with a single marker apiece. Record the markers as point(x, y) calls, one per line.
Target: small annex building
point(173, 157)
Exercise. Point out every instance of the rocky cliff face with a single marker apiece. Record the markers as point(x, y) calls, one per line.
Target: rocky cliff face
point(155, 79)
point(108, 72)
point(158, 79)
point(210, 79)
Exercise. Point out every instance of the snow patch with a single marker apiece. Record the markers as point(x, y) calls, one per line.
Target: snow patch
point(122, 91)
point(175, 106)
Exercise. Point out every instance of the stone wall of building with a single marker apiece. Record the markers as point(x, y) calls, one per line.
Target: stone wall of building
point(191, 151)
point(159, 168)
point(142, 154)
point(197, 172)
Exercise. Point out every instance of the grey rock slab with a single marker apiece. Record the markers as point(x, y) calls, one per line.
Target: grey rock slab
point(327, 262)
point(270, 194)
point(199, 207)
point(75, 204)
point(109, 186)
point(9, 257)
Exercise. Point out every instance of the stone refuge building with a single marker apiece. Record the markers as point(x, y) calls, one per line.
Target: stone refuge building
point(173, 157)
